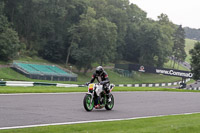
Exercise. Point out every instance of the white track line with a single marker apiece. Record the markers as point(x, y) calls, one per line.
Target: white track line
point(80, 122)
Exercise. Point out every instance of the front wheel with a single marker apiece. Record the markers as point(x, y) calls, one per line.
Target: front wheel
point(88, 102)
point(110, 105)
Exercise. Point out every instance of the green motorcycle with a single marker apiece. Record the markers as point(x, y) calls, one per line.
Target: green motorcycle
point(97, 96)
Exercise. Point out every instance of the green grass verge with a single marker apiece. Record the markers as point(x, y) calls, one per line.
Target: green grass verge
point(189, 44)
point(165, 124)
point(139, 78)
point(41, 89)
point(8, 74)
point(169, 65)
point(34, 59)
point(53, 89)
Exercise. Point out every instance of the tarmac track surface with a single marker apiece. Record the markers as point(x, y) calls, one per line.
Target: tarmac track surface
point(35, 109)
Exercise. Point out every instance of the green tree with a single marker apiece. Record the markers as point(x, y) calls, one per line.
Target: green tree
point(100, 7)
point(106, 33)
point(136, 18)
point(9, 41)
point(40, 22)
point(86, 31)
point(84, 53)
point(153, 44)
point(73, 38)
point(195, 61)
point(167, 43)
point(97, 41)
point(116, 12)
point(132, 48)
point(149, 44)
point(53, 51)
point(179, 45)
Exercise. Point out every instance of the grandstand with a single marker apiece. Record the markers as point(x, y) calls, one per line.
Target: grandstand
point(44, 72)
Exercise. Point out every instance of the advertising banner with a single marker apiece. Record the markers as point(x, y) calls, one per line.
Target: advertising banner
point(164, 71)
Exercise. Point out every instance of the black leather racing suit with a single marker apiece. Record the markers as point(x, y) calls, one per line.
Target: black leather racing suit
point(102, 79)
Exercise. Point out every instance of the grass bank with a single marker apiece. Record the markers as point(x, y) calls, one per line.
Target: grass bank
point(189, 44)
point(9, 74)
point(165, 124)
point(53, 89)
point(170, 63)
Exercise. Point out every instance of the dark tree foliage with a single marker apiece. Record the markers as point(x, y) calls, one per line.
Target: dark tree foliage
point(84, 32)
point(179, 44)
point(9, 41)
point(40, 21)
point(195, 61)
point(52, 51)
point(192, 33)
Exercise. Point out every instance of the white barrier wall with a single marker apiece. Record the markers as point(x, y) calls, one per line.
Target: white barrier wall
point(19, 83)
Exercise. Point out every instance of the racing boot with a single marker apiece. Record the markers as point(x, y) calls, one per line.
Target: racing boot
point(97, 106)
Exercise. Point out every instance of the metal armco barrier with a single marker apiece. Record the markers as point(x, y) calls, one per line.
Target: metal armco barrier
point(44, 84)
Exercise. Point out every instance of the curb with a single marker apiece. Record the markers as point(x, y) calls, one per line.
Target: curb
point(195, 88)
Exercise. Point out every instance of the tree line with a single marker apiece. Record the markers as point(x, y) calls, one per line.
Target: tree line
point(82, 32)
point(192, 33)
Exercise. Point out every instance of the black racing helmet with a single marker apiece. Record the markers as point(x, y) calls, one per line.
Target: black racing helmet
point(99, 70)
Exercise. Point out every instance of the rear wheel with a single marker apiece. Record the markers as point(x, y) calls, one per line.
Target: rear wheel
point(110, 105)
point(88, 102)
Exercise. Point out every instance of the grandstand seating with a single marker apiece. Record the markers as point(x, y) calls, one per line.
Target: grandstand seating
point(44, 72)
point(42, 69)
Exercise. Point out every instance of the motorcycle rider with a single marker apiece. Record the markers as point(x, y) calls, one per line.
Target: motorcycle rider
point(102, 78)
